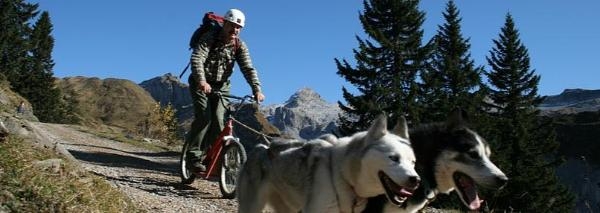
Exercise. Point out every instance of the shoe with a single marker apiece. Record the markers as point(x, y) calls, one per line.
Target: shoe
point(196, 166)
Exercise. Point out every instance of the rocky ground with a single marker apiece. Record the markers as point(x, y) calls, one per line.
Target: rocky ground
point(149, 178)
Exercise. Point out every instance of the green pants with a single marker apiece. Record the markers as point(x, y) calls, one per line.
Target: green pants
point(208, 122)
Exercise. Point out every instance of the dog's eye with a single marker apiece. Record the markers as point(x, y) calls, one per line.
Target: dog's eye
point(395, 158)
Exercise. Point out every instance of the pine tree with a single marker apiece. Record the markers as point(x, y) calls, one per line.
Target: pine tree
point(453, 80)
point(14, 22)
point(41, 91)
point(70, 111)
point(525, 148)
point(387, 64)
point(26, 60)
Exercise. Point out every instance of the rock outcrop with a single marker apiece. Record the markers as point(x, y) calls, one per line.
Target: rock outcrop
point(254, 126)
point(305, 115)
point(168, 89)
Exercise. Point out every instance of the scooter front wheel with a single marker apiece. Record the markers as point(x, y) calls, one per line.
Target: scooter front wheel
point(232, 159)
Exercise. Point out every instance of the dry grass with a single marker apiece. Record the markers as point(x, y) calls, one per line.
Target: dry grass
point(25, 187)
point(115, 102)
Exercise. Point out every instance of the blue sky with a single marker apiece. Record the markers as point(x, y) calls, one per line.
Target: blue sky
point(293, 43)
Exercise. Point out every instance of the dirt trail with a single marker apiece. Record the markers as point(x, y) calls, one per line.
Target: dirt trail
point(149, 178)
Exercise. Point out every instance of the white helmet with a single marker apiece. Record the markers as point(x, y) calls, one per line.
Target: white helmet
point(235, 16)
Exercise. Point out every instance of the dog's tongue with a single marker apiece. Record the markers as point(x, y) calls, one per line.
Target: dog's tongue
point(405, 193)
point(470, 192)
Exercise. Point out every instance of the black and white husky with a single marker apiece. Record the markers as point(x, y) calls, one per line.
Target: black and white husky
point(450, 156)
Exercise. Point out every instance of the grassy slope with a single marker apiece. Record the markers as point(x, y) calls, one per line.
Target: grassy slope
point(115, 102)
point(27, 188)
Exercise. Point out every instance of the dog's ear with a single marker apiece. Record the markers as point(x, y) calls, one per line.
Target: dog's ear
point(379, 128)
point(401, 129)
point(457, 119)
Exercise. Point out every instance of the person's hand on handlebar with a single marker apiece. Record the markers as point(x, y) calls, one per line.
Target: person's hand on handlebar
point(259, 97)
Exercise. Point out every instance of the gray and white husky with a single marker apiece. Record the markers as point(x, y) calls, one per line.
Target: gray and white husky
point(450, 157)
point(330, 174)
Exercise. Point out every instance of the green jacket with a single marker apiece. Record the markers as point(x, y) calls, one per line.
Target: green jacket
point(213, 61)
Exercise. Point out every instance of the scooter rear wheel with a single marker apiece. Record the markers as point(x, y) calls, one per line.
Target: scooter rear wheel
point(187, 176)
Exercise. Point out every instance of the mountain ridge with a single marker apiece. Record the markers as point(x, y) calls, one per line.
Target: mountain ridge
point(571, 101)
